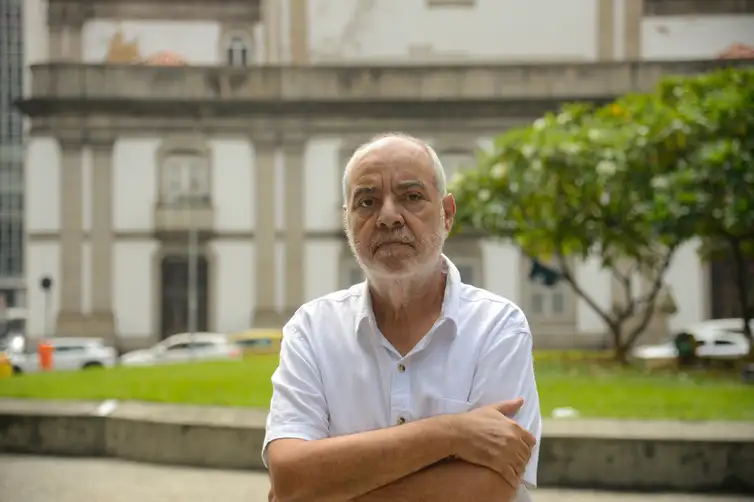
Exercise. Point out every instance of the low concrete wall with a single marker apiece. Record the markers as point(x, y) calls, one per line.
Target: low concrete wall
point(649, 455)
point(609, 454)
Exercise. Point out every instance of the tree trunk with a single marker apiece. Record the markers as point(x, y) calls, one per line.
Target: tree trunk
point(621, 349)
point(742, 284)
point(621, 355)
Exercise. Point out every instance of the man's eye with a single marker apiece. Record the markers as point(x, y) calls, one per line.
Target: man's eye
point(413, 197)
point(366, 202)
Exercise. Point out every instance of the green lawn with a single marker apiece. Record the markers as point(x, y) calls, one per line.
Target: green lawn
point(594, 388)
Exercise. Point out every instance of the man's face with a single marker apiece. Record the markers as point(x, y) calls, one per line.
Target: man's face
point(396, 220)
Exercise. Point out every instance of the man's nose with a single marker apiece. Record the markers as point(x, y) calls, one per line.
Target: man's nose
point(390, 215)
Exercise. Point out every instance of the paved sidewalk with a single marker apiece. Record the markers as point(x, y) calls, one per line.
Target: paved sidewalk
point(47, 479)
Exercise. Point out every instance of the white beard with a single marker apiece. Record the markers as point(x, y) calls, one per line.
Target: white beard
point(397, 285)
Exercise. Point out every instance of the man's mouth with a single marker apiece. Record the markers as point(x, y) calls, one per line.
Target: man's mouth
point(392, 243)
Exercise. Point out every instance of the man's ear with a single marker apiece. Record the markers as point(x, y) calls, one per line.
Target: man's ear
point(449, 210)
point(344, 218)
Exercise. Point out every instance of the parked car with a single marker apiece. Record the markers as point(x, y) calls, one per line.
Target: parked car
point(12, 329)
point(716, 339)
point(183, 348)
point(68, 354)
point(258, 341)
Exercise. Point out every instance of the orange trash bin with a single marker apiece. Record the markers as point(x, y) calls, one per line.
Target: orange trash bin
point(45, 356)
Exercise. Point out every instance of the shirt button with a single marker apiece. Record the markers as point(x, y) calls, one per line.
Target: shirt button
point(401, 368)
point(401, 421)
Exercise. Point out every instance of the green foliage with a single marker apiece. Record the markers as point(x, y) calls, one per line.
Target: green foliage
point(712, 186)
point(628, 181)
point(576, 182)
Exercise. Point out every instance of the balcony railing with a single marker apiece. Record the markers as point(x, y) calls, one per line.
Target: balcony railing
point(62, 81)
point(697, 7)
point(200, 217)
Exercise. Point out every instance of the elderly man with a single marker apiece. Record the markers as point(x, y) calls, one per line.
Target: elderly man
point(411, 386)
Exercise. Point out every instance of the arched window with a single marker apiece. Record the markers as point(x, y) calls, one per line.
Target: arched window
point(185, 180)
point(237, 51)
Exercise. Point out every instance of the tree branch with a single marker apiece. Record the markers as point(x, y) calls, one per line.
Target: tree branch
point(651, 298)
point(568, 276)
point(624, 280)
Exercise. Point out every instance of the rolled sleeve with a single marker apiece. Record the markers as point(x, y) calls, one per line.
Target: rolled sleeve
point(298, 409)
point(505, 371)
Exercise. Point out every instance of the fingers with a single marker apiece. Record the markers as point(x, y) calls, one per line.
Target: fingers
point(528, 438)
point(510, 476)
point(514, 469)
point(523, 434)
point(524, 454)
point(511, 407)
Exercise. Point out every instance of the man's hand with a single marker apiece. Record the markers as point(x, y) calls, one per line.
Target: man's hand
point(487, 437)
point(271, 496)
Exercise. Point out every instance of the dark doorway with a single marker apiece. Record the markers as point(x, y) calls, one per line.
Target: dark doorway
point(175, 290)
point(725, 302)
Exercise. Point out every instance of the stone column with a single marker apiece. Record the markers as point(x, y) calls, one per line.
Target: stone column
point(75, 49)
point(632, 17)
point(605, 29)
point(56, 30)
point(101, 321)
point(70, 319)
point(295, 241)
point(271, 24)
point(299, 31)
point(65, 23)
point(265, 310)
point(55, 42)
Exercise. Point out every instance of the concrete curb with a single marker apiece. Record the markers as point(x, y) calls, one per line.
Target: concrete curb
point(605, 454)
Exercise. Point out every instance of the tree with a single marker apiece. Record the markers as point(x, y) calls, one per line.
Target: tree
point(712, 187)
point(577, 184)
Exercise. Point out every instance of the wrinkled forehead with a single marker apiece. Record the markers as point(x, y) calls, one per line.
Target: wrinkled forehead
point(396, 158)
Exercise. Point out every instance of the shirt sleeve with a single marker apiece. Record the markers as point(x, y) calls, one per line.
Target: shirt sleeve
point(505, 370)
point(298, 409)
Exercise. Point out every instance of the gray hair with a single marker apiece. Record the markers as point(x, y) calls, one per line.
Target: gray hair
point(441, 181)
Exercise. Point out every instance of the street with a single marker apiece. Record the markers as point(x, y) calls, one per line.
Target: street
point(49, 479)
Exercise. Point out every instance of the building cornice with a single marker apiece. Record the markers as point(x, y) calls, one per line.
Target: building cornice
point(267, 99)
point(264, 128)
point(311, 88)
point(73, 13)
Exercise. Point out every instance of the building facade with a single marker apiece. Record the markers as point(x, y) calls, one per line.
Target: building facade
point(232, 121)
point(12, 284)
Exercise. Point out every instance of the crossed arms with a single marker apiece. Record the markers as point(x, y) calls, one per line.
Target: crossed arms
point(476, 456)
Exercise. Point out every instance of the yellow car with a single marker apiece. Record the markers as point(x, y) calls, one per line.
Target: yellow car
point(6, 367)
point(258, 341)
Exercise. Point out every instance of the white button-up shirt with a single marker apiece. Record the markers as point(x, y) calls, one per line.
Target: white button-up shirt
point(339, 375)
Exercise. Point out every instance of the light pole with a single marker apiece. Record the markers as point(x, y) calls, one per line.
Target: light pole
point(46, 285)
point(192, 263)
point(193, 173)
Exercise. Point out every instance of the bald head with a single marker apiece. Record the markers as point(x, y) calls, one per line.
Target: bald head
point(391, 145)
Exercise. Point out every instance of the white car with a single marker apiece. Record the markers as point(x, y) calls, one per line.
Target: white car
point(184, 348)
point(717, 339)
point(68, 354)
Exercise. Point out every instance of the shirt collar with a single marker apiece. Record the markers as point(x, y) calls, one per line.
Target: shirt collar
point(450, 304)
